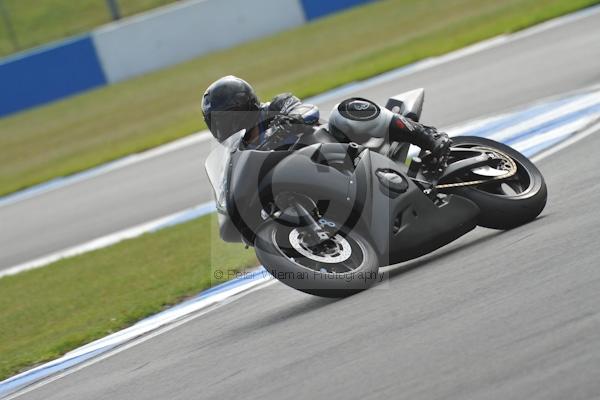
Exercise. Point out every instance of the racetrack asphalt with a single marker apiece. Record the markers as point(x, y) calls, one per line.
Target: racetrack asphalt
point(552, 62)
point(495, 315)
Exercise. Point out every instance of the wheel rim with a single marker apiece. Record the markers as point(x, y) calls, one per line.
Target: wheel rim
point(517, 185)
point(344, 255)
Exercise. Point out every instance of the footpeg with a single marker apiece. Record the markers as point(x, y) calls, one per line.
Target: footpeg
point(415, 166)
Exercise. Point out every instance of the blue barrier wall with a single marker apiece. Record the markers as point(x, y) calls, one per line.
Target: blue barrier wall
point(48, 74)
point(319, 8)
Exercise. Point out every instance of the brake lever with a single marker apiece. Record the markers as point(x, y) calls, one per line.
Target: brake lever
point(276, 133)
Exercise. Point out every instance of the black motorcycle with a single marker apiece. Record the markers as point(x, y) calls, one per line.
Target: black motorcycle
point(324, 214)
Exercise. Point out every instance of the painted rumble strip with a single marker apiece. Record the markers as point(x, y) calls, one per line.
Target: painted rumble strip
point(538, 127)
point(533, 130)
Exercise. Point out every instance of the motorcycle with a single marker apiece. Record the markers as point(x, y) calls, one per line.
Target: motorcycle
point(324, 214)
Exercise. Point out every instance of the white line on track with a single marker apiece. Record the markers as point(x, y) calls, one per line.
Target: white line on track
point(113, 238)
point(103, 169)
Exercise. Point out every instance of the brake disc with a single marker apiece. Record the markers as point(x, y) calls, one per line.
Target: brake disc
point(340, 253)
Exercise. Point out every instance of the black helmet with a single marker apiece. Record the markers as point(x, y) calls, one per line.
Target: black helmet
point(230, 105)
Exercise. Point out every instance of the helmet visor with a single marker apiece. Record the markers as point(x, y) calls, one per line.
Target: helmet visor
point(223, 124)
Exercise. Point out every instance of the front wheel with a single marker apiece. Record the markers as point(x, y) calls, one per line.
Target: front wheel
point(504, 203)
point(338, 267)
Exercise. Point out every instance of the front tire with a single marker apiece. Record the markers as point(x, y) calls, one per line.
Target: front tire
point(505, 204)
point(350, 266)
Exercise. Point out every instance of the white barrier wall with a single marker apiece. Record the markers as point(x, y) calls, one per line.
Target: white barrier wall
point(183, 31)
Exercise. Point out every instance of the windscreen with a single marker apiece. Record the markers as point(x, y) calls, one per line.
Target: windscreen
point(216, 167)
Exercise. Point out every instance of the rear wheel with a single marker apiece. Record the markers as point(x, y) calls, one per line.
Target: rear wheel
point(504, 203)
point(338, 267)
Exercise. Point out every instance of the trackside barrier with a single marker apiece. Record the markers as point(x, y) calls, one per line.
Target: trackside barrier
point(49, 73)
point(147, 42)
point(319, 8)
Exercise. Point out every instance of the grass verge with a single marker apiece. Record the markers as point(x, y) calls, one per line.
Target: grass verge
point(49, 311)
point(37, 22)
point(86, 130)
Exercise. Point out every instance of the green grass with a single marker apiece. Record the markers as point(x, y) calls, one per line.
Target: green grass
point(37, 22)
point(47, 312)
point(83, 131)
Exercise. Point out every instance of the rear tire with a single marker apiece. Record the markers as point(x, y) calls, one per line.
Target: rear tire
point(294, 268)
point(500, 210)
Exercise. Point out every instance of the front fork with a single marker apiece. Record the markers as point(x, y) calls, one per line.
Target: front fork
point(314, 234)
point(292, 212)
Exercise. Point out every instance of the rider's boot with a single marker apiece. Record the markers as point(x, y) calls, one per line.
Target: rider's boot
point(426, 137)
point(438, 143)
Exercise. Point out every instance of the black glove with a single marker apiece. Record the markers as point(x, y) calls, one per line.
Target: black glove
point(280, 126)
point(285, 122)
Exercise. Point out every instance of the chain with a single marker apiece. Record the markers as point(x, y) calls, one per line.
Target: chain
point(511, 172)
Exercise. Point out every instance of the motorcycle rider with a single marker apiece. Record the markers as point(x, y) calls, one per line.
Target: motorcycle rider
point(230, 104)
